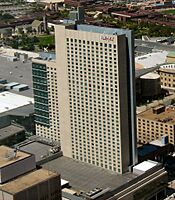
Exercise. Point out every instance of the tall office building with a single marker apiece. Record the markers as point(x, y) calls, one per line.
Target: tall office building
point(93, 91)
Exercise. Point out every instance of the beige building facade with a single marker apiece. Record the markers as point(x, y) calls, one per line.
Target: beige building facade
point(45, 86)
point(155, 123)
point(96, 106)
point(167, 75)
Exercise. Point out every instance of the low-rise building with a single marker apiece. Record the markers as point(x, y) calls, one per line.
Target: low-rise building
point(38, 184)
point(21, 180)
point(44, 149)
point(11, 135)
point(157, 150)
point(147, 181)
point(167, 75)
point(170, 57)
point(155, 123)
point(14, 163)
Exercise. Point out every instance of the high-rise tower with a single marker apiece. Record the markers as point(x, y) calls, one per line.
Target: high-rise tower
point(96, 100)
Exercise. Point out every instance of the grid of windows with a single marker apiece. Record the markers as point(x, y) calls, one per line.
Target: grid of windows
point(94, 105)
point(54, 132)
point(167, 78)
point(149, 130)
point(46, 101)
point(40, 93)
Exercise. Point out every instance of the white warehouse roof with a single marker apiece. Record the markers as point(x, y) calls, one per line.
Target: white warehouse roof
point(152, 59)
point(10, 101)
point(144, 166)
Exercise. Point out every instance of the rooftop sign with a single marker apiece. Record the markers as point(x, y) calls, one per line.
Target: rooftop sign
point(107, 38)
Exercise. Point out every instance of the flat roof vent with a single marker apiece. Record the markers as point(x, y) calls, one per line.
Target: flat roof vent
point(159, 109)
point(11, 154)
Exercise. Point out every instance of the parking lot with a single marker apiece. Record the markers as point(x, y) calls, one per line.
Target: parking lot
point(17, 71)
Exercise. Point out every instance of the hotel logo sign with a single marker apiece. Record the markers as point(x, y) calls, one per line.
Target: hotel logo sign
point(107, 38)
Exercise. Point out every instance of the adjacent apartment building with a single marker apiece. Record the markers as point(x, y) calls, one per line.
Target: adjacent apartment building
point(155, 123)
point(85, 98)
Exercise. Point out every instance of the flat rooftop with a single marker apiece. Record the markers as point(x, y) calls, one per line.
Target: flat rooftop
point(102, 30)
point(146, 149)
point(145, 165)
point(37, 148)
point(85, 177)
point(150, 76)
point(25, 110)
point(7, 152)
point(17, 72)
point(157, 143)
point(152, 59)
point(168, 116)
point(9, 131)
point(167, 70)
point(142, 71)
point(11, 84)
point(10, 101)
point(171, 54)
point(20, 86)
point(26, 181)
